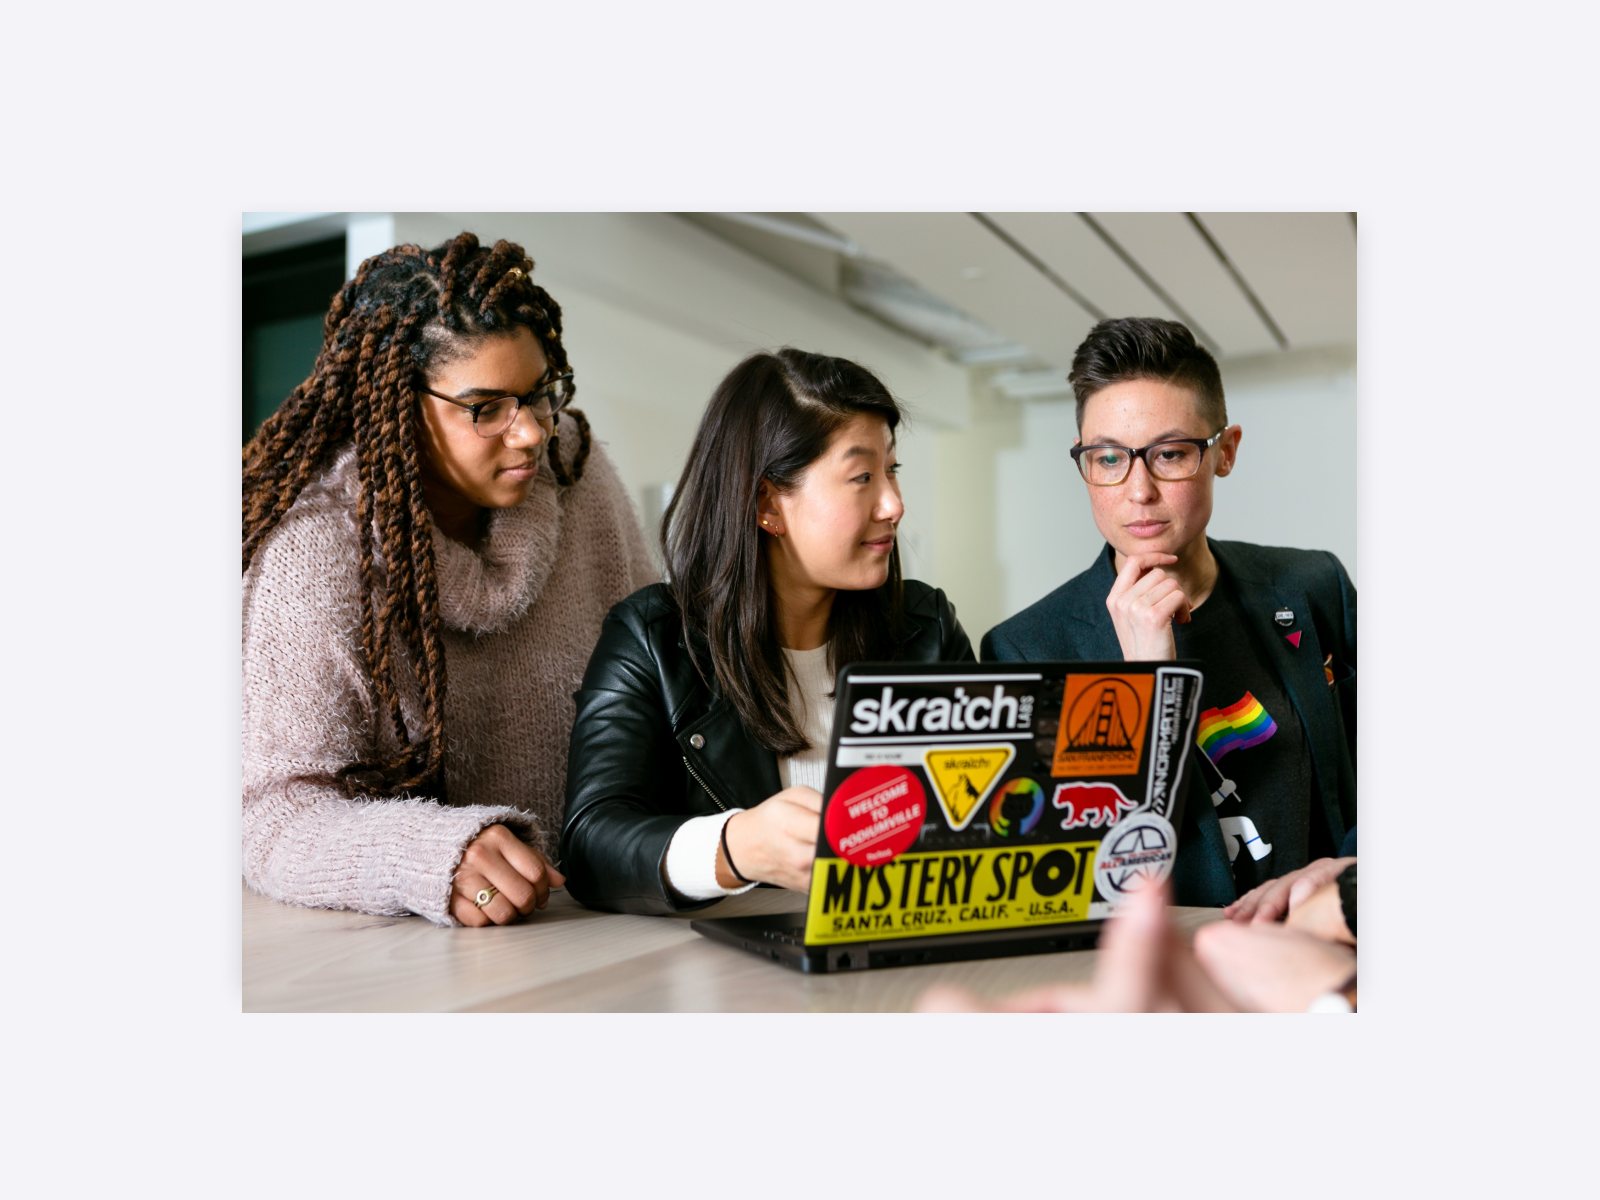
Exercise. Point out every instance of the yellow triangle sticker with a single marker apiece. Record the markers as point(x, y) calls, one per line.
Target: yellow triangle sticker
point(963, 777)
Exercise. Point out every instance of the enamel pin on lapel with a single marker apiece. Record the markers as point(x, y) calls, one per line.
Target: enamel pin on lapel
point(1284, 617)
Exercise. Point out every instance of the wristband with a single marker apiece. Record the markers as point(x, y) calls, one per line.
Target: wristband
point(1341, 1000)
point(728, 854)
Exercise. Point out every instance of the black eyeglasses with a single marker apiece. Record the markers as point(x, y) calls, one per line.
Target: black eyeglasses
point(1108, 465)
point(492, 417)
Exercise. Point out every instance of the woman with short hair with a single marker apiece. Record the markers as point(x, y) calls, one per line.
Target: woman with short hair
point(426, 567)
point(699, 745)
point(1274, 627)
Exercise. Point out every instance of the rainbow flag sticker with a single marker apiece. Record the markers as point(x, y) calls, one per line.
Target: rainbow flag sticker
point(1237, 727)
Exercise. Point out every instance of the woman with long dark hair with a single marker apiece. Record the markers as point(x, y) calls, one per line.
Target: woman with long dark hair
point(699, 744)
point(426, 566)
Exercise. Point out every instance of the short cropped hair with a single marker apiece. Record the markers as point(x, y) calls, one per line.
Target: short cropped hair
point(1123, 348)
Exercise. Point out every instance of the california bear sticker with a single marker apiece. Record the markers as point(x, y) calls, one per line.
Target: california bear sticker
point(1090, 805)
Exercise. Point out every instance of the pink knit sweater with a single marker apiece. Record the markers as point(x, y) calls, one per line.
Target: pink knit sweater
point(521, 615)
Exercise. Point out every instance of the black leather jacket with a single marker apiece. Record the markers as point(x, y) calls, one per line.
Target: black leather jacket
point(653, 745)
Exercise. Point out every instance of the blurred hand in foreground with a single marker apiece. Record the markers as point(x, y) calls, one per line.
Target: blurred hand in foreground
point(1144, 966)
point(1321, 914)
point(1272, 968)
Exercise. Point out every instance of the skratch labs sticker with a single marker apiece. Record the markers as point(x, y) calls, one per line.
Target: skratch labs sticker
point(959, 803)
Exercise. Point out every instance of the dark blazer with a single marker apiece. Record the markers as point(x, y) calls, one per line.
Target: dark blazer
point(1072, 622)
point(654, 745)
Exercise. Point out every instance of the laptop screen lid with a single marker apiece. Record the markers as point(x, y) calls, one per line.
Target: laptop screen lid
point(967, 797)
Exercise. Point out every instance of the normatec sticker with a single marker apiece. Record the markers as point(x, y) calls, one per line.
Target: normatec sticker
point(1177, 701)
point(875, 814)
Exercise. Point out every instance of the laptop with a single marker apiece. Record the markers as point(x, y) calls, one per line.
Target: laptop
point(978, 810)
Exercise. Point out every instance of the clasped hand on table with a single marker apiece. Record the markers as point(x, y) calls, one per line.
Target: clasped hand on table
point(521, 876)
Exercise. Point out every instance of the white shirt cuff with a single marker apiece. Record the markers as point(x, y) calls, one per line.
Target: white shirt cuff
point(691, 862)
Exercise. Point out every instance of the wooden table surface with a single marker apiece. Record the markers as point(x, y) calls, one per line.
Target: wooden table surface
point(571, 959)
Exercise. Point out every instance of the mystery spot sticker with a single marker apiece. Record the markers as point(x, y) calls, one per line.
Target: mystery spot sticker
point(875, 815)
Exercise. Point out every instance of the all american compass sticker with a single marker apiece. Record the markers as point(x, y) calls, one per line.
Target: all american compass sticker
point(1139, 850)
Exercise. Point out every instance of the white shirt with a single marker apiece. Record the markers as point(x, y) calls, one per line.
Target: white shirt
point(810, 683)
point(691, 862)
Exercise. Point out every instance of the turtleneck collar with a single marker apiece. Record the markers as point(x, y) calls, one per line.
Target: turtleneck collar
point(483, 589)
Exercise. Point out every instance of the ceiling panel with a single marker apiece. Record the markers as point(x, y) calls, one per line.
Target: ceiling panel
point(960, 261)
point(1078, 254)
point(1174, 254)
point(1302, 267)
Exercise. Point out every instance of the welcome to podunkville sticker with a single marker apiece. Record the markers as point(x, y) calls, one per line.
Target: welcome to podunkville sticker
point(876, 814)
point(964, 802)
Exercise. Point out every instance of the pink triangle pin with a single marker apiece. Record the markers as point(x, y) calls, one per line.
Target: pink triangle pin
point(1293, 638)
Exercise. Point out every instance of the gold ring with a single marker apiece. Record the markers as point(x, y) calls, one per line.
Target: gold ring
point(488, 894)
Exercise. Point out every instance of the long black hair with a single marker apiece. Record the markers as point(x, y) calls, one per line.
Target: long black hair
point(770, 419)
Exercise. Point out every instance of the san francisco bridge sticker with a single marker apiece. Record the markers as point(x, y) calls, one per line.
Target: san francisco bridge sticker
point(1102, 725)
point(1136, 851)
point(875, 815)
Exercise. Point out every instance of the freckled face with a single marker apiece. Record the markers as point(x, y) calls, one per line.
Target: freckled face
point(839, 522)
point(485, 472)
point(1143, 514)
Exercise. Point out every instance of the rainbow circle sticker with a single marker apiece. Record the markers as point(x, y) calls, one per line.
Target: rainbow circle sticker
point(1019, 803)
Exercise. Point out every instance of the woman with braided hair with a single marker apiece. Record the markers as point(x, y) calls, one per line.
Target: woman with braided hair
point(427, 561)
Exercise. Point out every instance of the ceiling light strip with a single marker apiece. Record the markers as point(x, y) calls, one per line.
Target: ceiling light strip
point(1261, 311)
point(1149, 282)
point(794, 232)
point(1033, 260)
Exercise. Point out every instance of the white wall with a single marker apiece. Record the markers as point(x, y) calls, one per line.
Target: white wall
point(1015, 516)
point(974, 554)
point(1295, 484)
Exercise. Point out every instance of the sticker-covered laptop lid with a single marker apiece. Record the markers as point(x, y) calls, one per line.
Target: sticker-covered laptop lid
point(964, 797)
